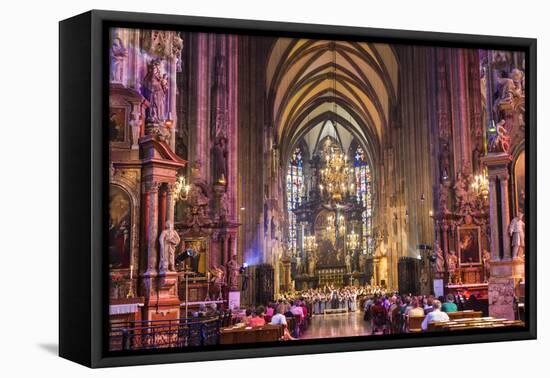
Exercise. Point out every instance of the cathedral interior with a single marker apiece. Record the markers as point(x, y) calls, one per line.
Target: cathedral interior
point(249, 170)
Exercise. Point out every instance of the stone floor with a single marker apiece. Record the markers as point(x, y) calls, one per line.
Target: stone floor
point(337, 325)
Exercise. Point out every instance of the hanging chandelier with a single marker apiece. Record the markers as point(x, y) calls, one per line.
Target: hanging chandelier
point(335, 176)
point(480, 185)
point(181, 190)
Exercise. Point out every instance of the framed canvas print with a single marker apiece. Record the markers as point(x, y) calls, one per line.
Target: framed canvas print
point(234, 188)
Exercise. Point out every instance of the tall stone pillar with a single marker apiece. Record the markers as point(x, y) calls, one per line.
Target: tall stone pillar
point(501, 281)
point(170, 202)
point(151, 190)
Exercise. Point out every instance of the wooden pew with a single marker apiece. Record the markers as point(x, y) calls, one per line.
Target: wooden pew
point(473, 323)
point(415, 323)
point(244, 335)
point(464, 314)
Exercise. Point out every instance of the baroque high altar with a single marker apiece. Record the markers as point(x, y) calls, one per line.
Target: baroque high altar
point(242, 167)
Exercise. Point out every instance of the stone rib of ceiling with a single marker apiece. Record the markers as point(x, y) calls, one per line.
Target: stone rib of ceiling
point(310, 77)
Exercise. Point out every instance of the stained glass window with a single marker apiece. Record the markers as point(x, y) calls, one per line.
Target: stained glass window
point(363, 185)
point(294, 190)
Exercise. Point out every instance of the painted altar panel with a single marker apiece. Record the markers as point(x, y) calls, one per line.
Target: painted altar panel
point(469, 245)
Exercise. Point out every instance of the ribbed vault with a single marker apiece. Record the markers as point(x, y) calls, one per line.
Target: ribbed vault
point(355, 81)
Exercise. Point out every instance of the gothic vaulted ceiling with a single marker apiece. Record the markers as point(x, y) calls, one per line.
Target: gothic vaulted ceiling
point(352, 83)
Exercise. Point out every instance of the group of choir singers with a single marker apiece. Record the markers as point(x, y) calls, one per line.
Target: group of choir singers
point(331, 298)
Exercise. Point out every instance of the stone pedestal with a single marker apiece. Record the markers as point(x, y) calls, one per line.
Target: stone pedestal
point(162, 302)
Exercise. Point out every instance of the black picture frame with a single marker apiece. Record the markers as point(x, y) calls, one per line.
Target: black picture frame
point(83, 195)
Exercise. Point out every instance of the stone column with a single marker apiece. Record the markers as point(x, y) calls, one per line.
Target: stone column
point(505, 214)
point(162, 209)
point(493, 218)
point(501, 281)
point(170, 202)
point(151, 191)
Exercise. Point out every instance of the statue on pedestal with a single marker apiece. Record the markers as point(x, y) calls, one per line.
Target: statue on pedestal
point(218, 281)
point(220, 159)
point(118, 55)
point(311, 262)
point(501, 141)
point(348, 262)
point(232, 268)
point(452, 262)
point(169, 240)
point(439, 261)
point(516, 229)
point(155, 86)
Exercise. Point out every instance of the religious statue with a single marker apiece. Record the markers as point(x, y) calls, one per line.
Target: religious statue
point(510, 89)
point(348, 262)
point(516, 229)
point(220, 160)
point(445, 161)
point(461, 193)
point(500, 142)
point(169, 240)
point(298, 265)
point(311, 261)
point(452, 262)
point(155, 86)
point(218, 281)
point(118, 54)
point(439, 260)
point(224, 206)
point(487, 263)
point(232, 268)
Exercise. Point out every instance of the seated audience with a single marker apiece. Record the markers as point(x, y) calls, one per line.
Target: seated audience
point(415, 309)
point(428, 307)
point(449, 305)
point(248, 315)
point(278, 318)
point(435, 316)
point(257, 320)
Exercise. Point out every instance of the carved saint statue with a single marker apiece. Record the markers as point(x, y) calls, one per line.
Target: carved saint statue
point(439, 261)
point(224, 206)
point(220, 159)
point(500, 142)
point(218, 281)
point(311, 261)
point(118, 54)
point(232, 267)
point(510, 89)
point(169, 240)
point(348, 262)
point(155, 86)
point(452, 262)
point(461, 193)
point(517, 232)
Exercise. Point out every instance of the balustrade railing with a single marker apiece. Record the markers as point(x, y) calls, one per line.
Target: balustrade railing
point(155, 334)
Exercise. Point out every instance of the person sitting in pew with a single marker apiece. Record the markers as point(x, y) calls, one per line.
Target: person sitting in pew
point(280, 318)
point(436, 315)
point(257, 320)
point(449, 305)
